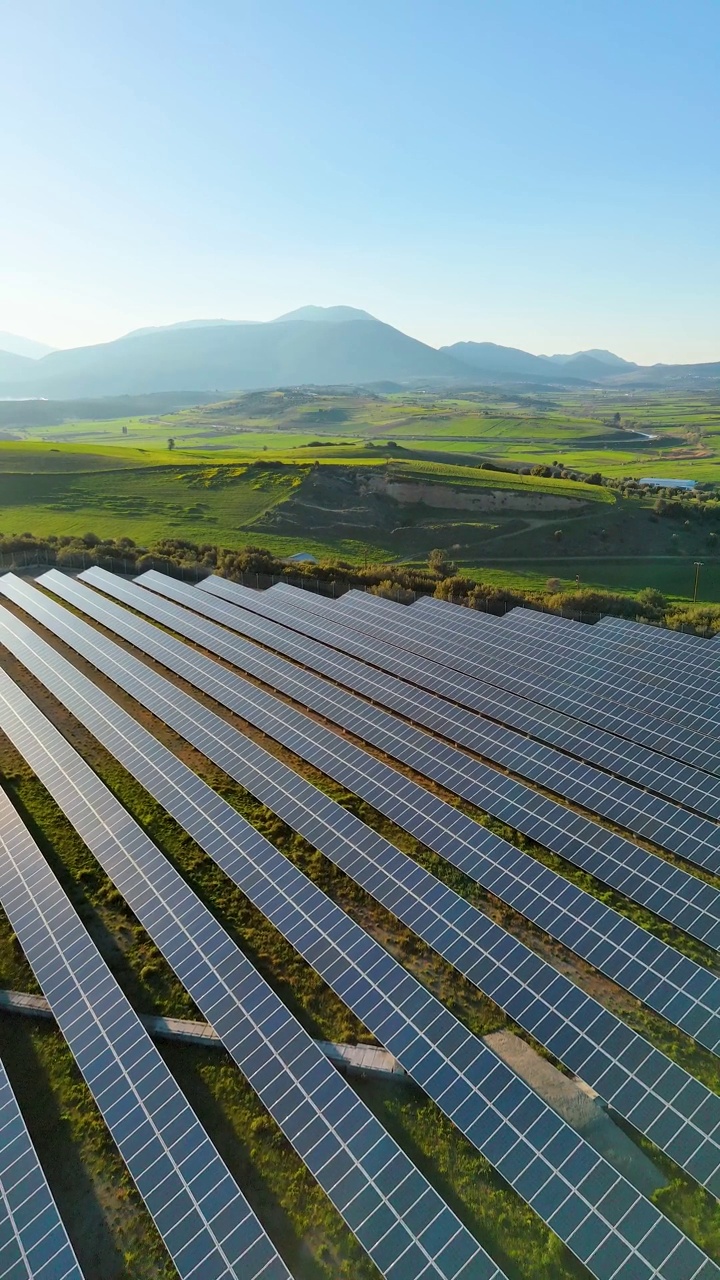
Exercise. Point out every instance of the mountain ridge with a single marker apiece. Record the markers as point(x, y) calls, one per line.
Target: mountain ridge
point(322, 346)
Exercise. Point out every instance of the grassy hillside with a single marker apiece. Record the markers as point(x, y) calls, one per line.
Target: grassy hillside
point(387, 477)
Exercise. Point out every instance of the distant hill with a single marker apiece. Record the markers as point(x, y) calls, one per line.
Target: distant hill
point(13, 366)
point(602, 357)
point(312, 346)
point(237, 357)
point(17, 346)
point(489, 358)
point(179, 324)
point(325, 315)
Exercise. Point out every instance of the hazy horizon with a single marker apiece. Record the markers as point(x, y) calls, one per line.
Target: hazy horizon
point(254, 320)
point(538, 177)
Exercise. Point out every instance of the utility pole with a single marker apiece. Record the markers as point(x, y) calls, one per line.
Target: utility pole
point(698, 566)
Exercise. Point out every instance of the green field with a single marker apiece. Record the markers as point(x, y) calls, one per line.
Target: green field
point(289, 471)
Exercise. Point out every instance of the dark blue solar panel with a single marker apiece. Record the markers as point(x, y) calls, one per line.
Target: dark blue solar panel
point(665, 1100)
point(336, 1135)
point(204, 1217)
point(33, 1240)
point(670, 983)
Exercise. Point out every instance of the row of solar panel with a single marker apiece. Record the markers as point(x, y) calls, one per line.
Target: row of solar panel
point(455, 644)
point(200, 1212)
point(614, 645)
point(470, 641)
point(673, 985)
point(586, 675)
point(402, 1223)
point(669, 891)
point(436, 658)
point(33, 1240)
point(663, 686)
point(636, 1264)
point(350, 633)
point(658, 1098)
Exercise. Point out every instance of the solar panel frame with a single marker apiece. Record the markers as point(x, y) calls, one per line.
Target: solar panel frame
point(135, 1092)
point(498, 964)
point(637, 960)
point(339, 1139)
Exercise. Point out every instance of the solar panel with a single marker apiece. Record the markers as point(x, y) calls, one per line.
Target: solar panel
point(615, 658)
point(662, 1101)
point(395, 653)
point(33, 1240)
point(398, 1218)
point(638, 644)
point(693, 709)
point(488, 657)
point(668, 891)
point(682, 991)
point(603, 657)
point(622, 672)
point(201, 1214)
point(666, 824)
point(470, 635)
point(389, 1016)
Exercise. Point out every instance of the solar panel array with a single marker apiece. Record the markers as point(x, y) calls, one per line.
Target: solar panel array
point(205, 1222)
point(476, 644)
point(399, 1219)
point(662, 1101)
point(648, 816)
point(578, 680)
point(667, 891)
point(467, 645)
point(370, 999)
point(629, 672)
point(33, 1240)
point(638, 810)
point(668, 982)
point(609, 1226)
point(440, 644)
point(619, 651)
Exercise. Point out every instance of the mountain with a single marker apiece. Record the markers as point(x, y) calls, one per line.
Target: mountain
point(17, 346)
point(237, 357)
point(179, 324)
point(322, 346)
point(329, 315)
point(14, 367)
point(607, 358)
point(487, 357)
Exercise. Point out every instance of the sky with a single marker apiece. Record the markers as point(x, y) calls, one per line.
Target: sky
point(539, 175)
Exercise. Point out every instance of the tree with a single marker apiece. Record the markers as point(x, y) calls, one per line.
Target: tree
point(651, 603)
point(124, 431)
point(439, 564)
point(171, 443)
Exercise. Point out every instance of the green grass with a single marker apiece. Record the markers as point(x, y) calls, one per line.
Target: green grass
point(218, 485)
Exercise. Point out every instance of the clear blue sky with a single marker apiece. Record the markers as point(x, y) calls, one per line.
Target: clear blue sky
point(538, 174)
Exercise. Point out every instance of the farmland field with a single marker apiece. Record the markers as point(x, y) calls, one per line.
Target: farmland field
point(247, 471)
